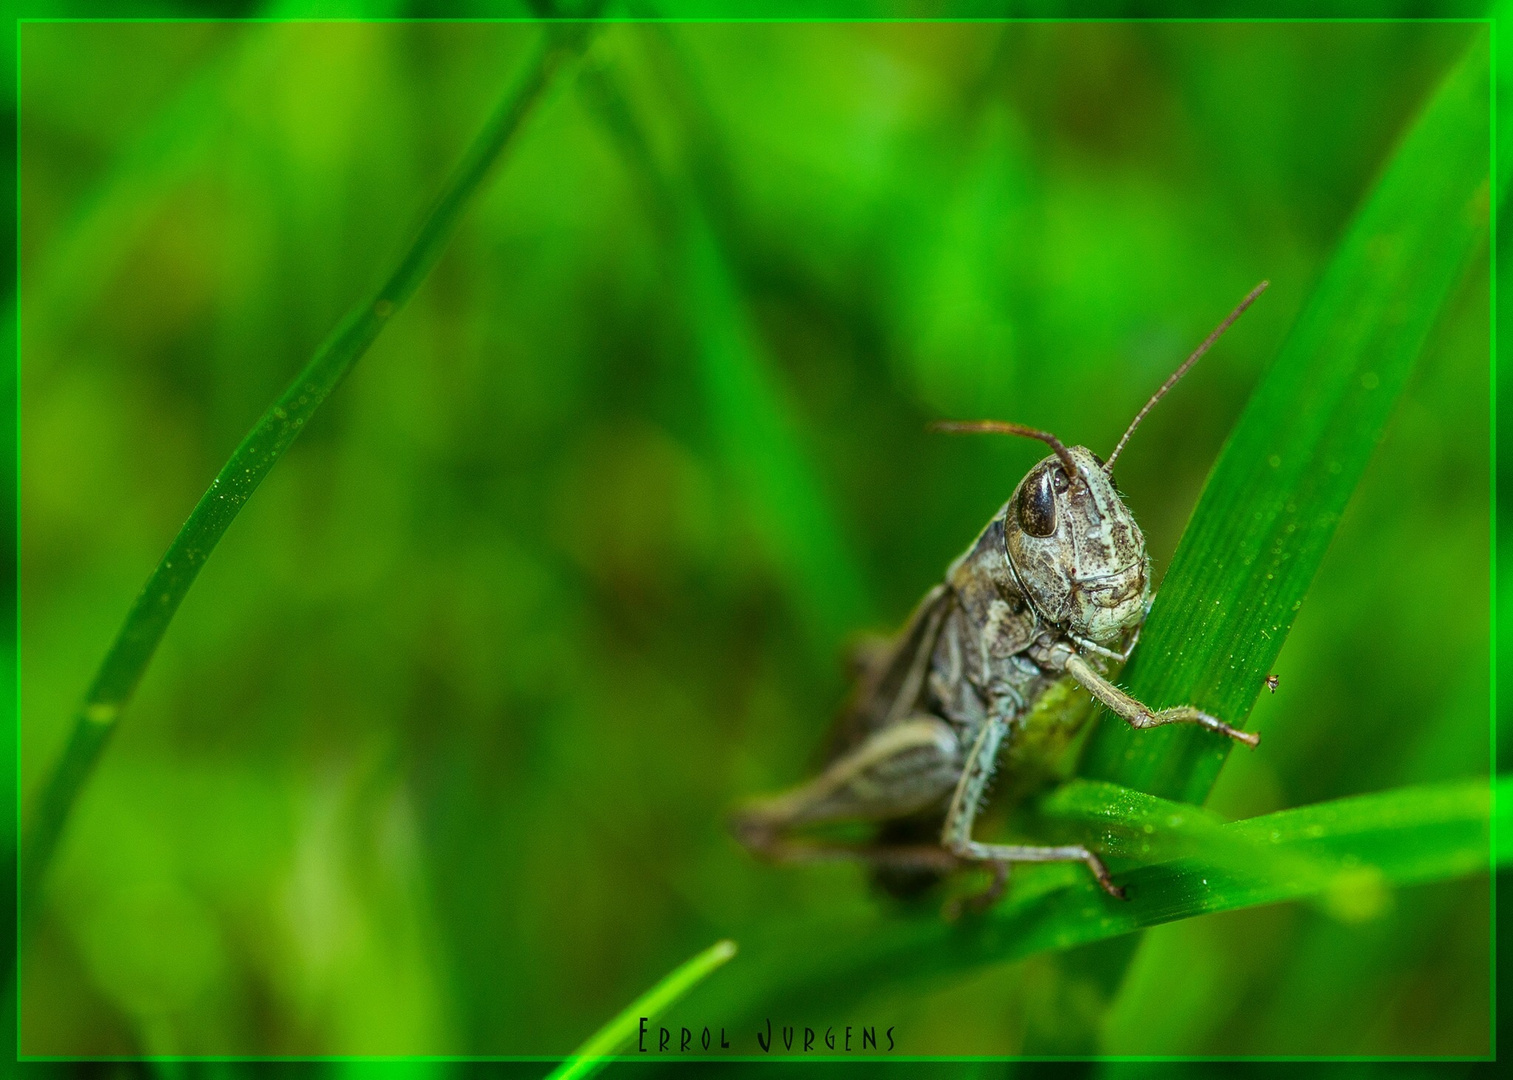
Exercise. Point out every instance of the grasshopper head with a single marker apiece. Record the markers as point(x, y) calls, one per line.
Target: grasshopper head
point(1076, 549)
point(1069, 538)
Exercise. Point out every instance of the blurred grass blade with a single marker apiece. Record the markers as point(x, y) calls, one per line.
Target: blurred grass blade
point(754, 427)
point(1346, 854)
point(759, 439)
point(1272, 502)
point(77, 267)
point(598, 1051)
point(150, 615)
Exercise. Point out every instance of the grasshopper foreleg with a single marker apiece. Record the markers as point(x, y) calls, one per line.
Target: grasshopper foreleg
point(1140, 715)
point(956, 837)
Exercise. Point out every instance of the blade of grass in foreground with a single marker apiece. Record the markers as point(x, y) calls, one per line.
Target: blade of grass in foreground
point(154, 609)
point(1347, 853)
point(1129, 827)
point(598, 1050)
point(1271, 504)
point(1409, 834)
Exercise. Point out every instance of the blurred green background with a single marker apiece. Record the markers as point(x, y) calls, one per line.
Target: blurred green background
point(436, 754)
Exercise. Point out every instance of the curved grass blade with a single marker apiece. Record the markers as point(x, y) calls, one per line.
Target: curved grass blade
point(148, 619)
point(598, 1051)
point(1346, 854)
point(1271, 504)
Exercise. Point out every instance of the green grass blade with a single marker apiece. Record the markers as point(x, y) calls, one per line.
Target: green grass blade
point(1271, 504)
point(597, 1052)
point(1347, 851)
point(1408, 835)
point(1345, 854)
point(149, 617)
point(1127, 826)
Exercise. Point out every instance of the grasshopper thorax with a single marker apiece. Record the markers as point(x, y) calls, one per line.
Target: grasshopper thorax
point(1075, 548)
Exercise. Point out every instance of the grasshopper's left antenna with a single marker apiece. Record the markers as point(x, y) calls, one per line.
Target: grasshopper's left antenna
point(1176, 376)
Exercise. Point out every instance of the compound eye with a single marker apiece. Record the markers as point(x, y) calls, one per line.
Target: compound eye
point(1037, 506)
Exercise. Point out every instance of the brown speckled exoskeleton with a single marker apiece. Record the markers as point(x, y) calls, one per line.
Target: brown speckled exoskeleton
point(1052, 592)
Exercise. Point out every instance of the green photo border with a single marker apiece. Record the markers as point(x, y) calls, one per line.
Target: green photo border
point(351, 339)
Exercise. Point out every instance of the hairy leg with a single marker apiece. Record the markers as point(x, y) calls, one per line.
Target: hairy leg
point(1141, 715)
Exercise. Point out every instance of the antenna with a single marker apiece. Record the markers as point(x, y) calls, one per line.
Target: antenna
point(1004, 427)
point(1181, 371)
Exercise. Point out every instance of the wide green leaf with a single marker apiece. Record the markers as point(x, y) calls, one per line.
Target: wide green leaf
point(1271, 503)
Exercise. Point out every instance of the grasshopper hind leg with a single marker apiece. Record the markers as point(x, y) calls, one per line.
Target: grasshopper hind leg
point(900, 776)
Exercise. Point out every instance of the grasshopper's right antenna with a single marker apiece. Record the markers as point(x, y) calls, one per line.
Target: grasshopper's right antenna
point(1005, 427)
point(1176, 376)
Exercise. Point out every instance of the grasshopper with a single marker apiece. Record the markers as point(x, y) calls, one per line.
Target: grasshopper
point(1051, 594)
